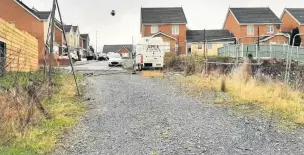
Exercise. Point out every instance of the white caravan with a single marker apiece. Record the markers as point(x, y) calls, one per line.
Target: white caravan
point(150, 53)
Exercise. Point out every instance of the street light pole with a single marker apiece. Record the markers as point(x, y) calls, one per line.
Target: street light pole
point(258, 38)
point(96, 42)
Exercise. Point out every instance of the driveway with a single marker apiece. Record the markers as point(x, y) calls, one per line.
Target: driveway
point(94, 66)
point(132, 115)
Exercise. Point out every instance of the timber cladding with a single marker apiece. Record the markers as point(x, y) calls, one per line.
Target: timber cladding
point(21, 49)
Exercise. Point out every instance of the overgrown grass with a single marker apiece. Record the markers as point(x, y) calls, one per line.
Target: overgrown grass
point(151, 74)
point(40, 137)
point(276, 97)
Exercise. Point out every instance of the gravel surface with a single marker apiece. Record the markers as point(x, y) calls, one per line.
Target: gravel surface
point(132, 115)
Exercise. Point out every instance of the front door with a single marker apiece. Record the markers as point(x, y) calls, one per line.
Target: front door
point(154, 56)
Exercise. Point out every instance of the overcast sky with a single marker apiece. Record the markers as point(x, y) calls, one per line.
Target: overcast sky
point(94, 15)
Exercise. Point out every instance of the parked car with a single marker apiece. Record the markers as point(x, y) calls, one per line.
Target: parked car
point(108, 54)
point(74, 57)
point(103, 57)
point(91, 55)
point(115, 60)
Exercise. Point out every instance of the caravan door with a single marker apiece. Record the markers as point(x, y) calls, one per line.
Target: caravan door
point(154, 56)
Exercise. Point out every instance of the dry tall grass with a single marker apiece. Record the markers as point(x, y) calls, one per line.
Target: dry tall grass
point(275, 96)
point(24, 127)
point(151, 74)
point(16, 114)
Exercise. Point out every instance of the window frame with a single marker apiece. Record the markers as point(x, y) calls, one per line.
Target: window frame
point(154, 27)
point(250, 27)
point(176, 47)
point(208, 45)
point(268, 26)
point(175, 29)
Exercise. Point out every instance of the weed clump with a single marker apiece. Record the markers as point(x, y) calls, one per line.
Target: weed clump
point(275, 96)
point(30, 120)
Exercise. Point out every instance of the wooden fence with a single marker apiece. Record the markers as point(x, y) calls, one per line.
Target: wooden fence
point(21, 49)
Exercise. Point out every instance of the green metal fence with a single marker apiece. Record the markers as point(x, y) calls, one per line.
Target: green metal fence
point(262, 51)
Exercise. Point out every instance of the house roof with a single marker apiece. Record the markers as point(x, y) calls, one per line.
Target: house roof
point(84, 36)
point(75, 28)
point(169, 15)
point(211, 35)
point(255, 16)
point(67, 28)
point(58, 23)
point(31, 11)
point(297, 13)
point(116, 48)
point(41, 15)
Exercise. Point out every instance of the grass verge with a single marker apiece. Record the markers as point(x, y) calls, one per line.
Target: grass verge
point(275, 97)
point(40, 136)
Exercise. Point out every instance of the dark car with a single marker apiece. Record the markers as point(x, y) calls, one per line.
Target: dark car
point(103, 57)
point(91, 56)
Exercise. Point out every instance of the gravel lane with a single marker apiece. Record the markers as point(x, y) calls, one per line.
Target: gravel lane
point(132, 115)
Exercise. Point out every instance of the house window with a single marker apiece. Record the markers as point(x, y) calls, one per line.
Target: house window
point(175, 29)
point(176, 47)
point(250, 30)
point(125, 54)
point(209, 46)
point(199, 46)
point(270, 29)
point(154, 28)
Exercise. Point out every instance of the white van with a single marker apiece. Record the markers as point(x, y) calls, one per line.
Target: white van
point(150, 53)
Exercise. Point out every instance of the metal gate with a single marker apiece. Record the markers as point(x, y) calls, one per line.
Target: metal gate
point(2, 58)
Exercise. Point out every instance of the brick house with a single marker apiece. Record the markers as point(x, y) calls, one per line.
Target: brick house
point(73, 36)
point(248, 23)
point(59, 37)
point(207, 42)
point(168, 23)
point(292, 18)
point(123, 50)
point(85, 43)
point(81, 42)
point(24, 18)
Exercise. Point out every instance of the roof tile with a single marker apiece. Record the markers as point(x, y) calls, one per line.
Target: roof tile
point(297, 13)
point(173, 15)
point(75, 28)
point(116, 48)
point(67, 28)
point(255, 16)
point(215, 35)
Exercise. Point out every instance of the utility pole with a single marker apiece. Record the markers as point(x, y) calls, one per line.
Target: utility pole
point(133, 57)
point(96, 42)
point(258, 43)
point(205, 43)
point(132, 45)
point(52, 42)
point(258, 38)
point(66, 44)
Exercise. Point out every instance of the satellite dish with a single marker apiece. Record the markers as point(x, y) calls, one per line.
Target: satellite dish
point(113, 12)
point(278, 26)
